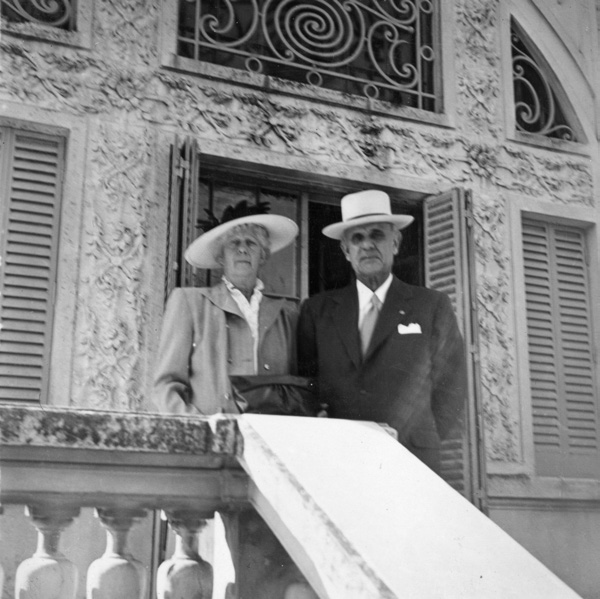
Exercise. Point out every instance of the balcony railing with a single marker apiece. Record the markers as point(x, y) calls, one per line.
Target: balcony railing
point(126, 466)
point(359, 515)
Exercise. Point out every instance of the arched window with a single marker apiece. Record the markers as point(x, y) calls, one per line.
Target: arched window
point(541, 107)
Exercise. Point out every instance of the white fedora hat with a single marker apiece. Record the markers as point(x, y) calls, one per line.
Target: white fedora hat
point(201, 252)
point(363, 208)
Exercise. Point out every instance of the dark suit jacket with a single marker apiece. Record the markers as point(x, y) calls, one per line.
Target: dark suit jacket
point(415, 382)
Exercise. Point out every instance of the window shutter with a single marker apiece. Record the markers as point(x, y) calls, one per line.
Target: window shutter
point(449, 268)
point(561, 359)
point(183, 213)
point(32, 167)
point(444, 264)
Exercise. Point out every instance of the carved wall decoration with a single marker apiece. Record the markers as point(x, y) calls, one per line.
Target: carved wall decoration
point(64, 80)
point(478, 67)
point(496, 343)
point(479, 92)
point(112, 320)
point(564, 179)
point(477, 20)
point(483, 161)
point(127, 30)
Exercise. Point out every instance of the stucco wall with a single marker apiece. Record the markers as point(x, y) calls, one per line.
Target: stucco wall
point(565, 541)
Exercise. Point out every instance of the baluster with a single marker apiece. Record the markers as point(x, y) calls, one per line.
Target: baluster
point(48, 574)
point(186, 574)
point(117, 574)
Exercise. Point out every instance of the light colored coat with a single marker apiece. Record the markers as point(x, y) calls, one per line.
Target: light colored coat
point(205, 339)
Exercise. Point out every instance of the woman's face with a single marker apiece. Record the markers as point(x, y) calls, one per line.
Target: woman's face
point(242, 255)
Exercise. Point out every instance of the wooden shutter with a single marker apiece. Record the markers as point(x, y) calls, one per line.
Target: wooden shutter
point(561, 358)
point(184, 211)
point(449, 268)
point(32, 168)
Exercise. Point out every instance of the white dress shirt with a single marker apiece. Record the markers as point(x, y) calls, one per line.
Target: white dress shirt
point(249, 310)
point(365, 295)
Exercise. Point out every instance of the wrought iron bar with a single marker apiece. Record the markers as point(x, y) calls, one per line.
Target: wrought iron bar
point(53, 13)
point(379, 48)
point(536, 107)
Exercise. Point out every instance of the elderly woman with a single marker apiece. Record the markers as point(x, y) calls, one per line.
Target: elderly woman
point(233, 328)
point(212, 333)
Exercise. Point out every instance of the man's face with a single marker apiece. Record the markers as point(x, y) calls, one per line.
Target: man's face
point(242, 255)
point(371, 249)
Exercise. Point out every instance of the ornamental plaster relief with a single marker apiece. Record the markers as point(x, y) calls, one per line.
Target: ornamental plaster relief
point(479, 101)
point(303, 129)
point(127, 30)
point(544, 175)
point(295, 128)
point(110, 340)
point(498, 378)
point(66, 80)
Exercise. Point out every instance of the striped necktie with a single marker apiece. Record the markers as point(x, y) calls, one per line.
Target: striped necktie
point(369, 322)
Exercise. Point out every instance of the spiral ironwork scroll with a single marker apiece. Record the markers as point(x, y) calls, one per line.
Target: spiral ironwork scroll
point(536, 108)
point(380, 48)
point(52, 13)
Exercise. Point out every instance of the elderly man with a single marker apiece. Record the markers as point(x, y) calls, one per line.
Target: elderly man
point(380, 349)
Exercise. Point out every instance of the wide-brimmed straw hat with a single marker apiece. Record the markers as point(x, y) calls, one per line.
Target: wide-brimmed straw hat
point(201, 252)
point(363, 208)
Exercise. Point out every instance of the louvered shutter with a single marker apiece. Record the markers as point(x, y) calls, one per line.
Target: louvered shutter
point(449, 268)
point(32, 167)
point(561, 358)
point(183, 215)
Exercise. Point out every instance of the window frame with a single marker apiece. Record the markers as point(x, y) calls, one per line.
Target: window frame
point(74, 130)
point(566, 76)
point(328, 189)
point(80, 37)
point(586, 219)
point(170, 60)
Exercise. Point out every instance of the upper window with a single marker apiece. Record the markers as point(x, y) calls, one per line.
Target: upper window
point(65, 22)
point(58, 13)
point(562, 373)
point(538, 109)
point(379, 49)
point(31, 173)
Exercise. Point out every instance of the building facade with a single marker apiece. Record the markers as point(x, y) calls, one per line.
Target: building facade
point(122, 122)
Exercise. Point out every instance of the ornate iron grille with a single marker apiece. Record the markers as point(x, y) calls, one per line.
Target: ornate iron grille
point(52, 13)
point(382, 49)
point(537, 109)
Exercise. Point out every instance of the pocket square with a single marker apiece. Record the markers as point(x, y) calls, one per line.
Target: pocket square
point(414, 328)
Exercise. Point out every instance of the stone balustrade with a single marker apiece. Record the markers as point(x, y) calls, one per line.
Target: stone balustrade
point(126, 466)
point(355, 511)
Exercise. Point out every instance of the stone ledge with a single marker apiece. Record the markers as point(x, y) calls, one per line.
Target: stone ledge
point(104, 430)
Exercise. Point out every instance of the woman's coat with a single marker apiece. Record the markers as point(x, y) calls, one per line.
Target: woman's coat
point(205, 339)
